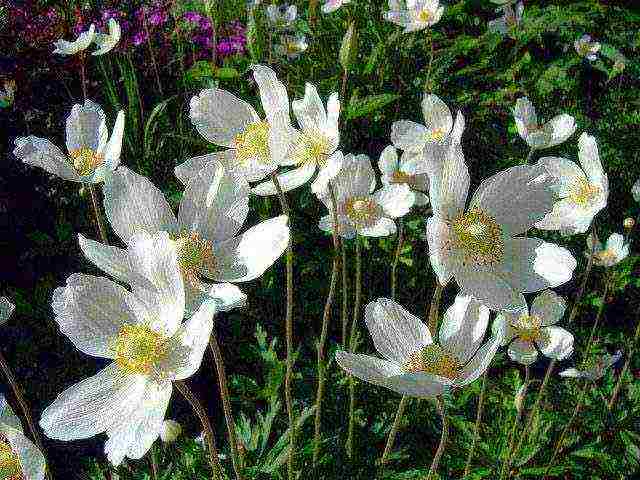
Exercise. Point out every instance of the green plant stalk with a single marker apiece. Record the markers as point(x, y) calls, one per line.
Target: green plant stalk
point(506, 465)
point(321, 361)
point(603, 299)
point(209, 435)
point(153, 462)
point(443, 439)
point(632, 350)
point(394, 430)
point(83, 74)
point(288, 379)
point(430, 46)
point(345, 294)
point(434, 308)
point(214, 27)
point(152, 54)
point(585, 279)
point(313, 11)
point(396, 258)
point(98, 215)
point(352, 346)
point(476, 429)
point(236, 458)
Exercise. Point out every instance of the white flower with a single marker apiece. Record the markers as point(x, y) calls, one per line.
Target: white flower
point(593, 370)
point(92, 154)
point(586, 48)
point(333, 5)
point(509, 21)
point(635, 191)
point(282, 16)
point(6, 309)
point(19, 457)
point(143, 333)
point(291, 46)
point(416, 365)
point(360, 210)
point(107, 41)
point(414, 15)
point(479, 246)
point(538, 135)
point(403, 172)
point(255, 146)
point(527, 332)
point(312, 147)
point(64, 47)
point(205, 235)
point(170, 431)
point(615, 251)
point(583, 192)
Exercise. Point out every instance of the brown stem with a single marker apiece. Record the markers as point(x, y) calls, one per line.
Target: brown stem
point(83, 74)
point(154, 63)
point(434, 308)
point(352, 345)
point(512, 434)
point(102, 230)
point(625, 368)
point(394, 430)
point(209, 435)
point(476, 430)
point(153, 462)
point(226, 404)
point(443, 439)
point(345, 294)
point(343, 88)
point(585, 279)
point(288, 379)
point(396, 258)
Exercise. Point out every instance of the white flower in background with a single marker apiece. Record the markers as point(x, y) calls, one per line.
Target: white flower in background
point(414, 15)
point(20, 459)
point(527, 332)
point(143, 332)
point(479, 246)
point(170, 430)
point(92, 154)
point(586, 48)
point(255, 147)
point(583, 191)
point(333, 5)
point(539, 135)
point(64, 47)
point(416, 365)
point(206, 236)
point(312, 147)
point(511, 18)
point(6, 310)
point(282, 16)
point(291, 46)
point(615, 250)
point(107, 41)
point(360, 210)
point(594, 369)
point(403, 172)
point(635, 191)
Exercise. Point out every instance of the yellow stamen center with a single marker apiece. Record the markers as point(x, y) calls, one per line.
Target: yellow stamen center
point(479, 237)
point(433, 359)
point(85, 160)
point(139, 349)
point(605, 257)
point(362, 211)
point(436, 135)
point(425, 16)
point(253, 144)
point(10, 468)
point(584, 193)
point(401, 177)
point(528, 328)
point(311, 148)
point(292, 47)
point(194, 255)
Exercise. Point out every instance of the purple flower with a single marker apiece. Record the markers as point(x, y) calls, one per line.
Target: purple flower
point(158, 17)
point(139, 38)
point(223, 48)
point(193, 17)
point(205, 23)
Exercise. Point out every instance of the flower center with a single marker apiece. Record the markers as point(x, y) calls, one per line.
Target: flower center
point(433, 359)
point(584, 194)
point(402, 177)
point(425, 16)
point(528, 328)
point(311, 148)
point(194, 255)
point(252, 145)
point(139, 349)
point(605, 257)
point(436, 135)
point(10, 468)
point(361, 211)
point(292, 47)
point(479, 237)
point(85, 160)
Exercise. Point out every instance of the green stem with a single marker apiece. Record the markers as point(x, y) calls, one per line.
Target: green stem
point(396, 258)
point(427, 83)
point(434, 309)
point(352, 345)
point(96, 212)
point(394, 430)
point(506, 465)
point(632, 350)
point(345, 294)
point(476, 430)
point(603, 300)
point(443, 439)
point(585, 278)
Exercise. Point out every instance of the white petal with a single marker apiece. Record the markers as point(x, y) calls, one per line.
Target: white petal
point(395, 200)
point(549, 307)
point(572, 373)
point(247, 256)
point(320, 185)
point(31, 459)
point(345, 229)
point(437, 116)
point(396, 333)
point(8, 416)
point(107, 42)
point(480, 362)
point(558, 344)
point(93, 405)
point(64, 47)
point(354, 179)
point(227, 296)
point(190, 167)
point(438, 237)
point(382, 228)
point(6, 309)
point(114, 146)
point(134, 205)
point(407, 135)
point(463, 327)
point(367, 368)
point(388, 163)
point(522, 352)
point(40, 152)
point(590, 160)
point(310, 111)
point(566, 173)
point(288, 181)
point(566, 215)
point(87, 127)
point(215, 203)
point(420, 385)
point(219, 116)
point(490, 289)
point(525, 116)
point(561, 128)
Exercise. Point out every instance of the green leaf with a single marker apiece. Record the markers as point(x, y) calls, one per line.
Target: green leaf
point(364, 106)
point(349, 47)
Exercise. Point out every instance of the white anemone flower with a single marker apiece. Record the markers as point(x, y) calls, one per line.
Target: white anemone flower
point(107, 41)
point(291, 46)
point(508, 23)
point(333, 5)
point(361, 211)
point(396, 171)
point(255, 146)
point(80, 44)
point(583, 192)
point(594, 369)
point(6, 310)
point(539, 135)
point(587, 48)
point(526, 331)
point(414, 363)
point(615, 250)
point(206, 236)
point(20, 459)
point(414, 15)
point(312, 147)
point(635, 191)
point(143, 332)
point(91, 154)
point(282, 16)
point(479, 246)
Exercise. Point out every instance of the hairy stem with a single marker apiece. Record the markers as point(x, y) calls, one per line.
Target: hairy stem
point(394, 430)
point(443, 439)
point(603, 300)
point(345, 294)
point(516, 421)
point(585, 279)
point(631, 351)
point(434, 308)
point(396, 258)
point(476, 429)
point(102, 230)
point(427, 82)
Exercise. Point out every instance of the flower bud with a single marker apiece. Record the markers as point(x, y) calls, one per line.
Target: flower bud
point(170, 431)
point(635, 191)
point(629, 223)
point(519, 398)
